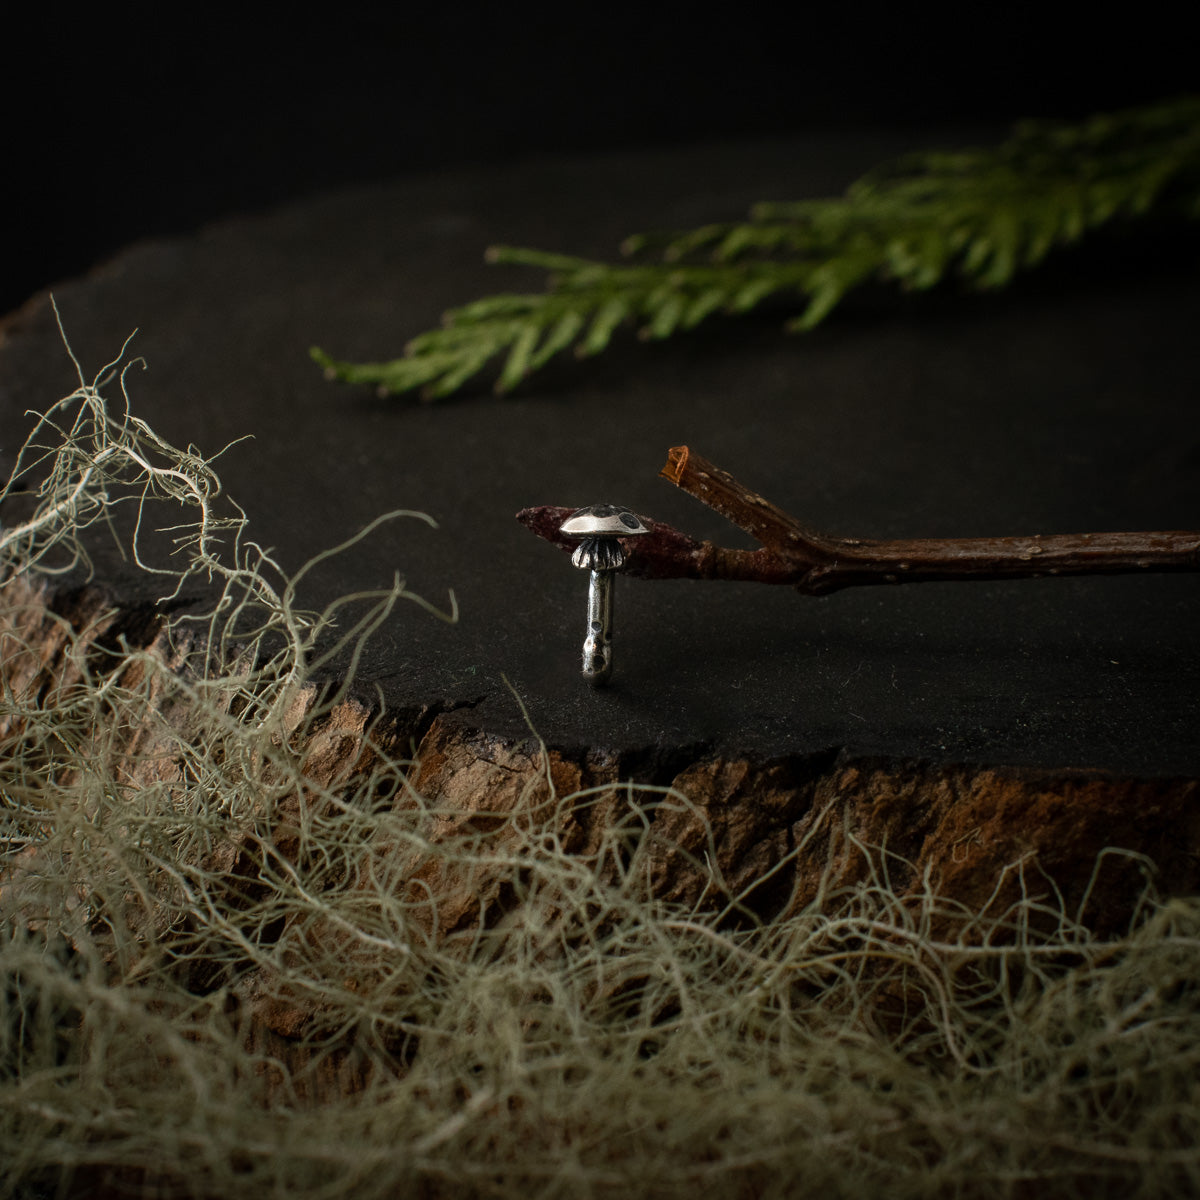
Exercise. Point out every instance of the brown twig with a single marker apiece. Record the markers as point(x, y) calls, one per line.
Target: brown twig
point(816, 564)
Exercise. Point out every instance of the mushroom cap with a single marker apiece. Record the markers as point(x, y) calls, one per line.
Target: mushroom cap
point(602, 520)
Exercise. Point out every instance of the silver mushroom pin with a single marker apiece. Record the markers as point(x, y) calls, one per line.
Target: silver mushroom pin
point(601, 526)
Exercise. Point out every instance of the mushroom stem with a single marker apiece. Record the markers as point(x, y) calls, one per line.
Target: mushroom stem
point(601, 526)
point(597, 646)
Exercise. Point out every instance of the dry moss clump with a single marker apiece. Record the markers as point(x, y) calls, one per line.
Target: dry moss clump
point(222, 970)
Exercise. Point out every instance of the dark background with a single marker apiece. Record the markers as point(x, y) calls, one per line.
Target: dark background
point(127, 121)
point(1064, 403)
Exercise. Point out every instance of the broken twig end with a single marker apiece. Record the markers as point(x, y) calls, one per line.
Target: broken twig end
point(677, 458)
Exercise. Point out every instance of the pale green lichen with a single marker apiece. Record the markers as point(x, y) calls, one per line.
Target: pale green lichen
point(176, 866)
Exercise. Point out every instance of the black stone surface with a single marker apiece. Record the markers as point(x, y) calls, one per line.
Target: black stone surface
point(1065, 404)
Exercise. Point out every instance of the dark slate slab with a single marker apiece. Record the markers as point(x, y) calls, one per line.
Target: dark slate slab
point(1066, 404)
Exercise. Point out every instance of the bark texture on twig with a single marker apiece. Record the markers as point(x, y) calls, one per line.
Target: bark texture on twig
point(816, 564)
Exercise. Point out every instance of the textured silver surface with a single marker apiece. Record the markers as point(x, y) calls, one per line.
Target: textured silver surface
point(601, 526)
point(605, 520)
point(597, 646)
point(599, 554)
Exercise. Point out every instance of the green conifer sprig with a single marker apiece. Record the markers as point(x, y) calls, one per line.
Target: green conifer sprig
point(981, 214)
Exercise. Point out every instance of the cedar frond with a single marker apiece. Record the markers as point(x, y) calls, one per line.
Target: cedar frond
point(982, 215)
